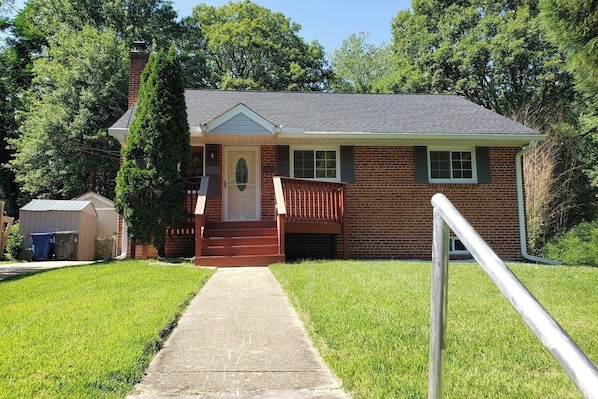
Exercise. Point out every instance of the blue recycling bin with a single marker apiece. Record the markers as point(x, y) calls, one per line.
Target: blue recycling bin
point(41, 245)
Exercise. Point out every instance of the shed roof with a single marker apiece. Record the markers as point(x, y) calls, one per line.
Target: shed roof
point(351, 113)
point(43, 205)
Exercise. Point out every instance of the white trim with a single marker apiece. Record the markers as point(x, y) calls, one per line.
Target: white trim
point(314, 148)
point(474, 174)
point(258, 180)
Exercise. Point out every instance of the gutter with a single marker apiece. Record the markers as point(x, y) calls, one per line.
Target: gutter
point(124, 242)
point(521, 208)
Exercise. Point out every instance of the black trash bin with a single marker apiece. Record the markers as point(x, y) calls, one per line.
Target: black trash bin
point(42, 245)
point(65, 245)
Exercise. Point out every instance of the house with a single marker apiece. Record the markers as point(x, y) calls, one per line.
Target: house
point(313, 174)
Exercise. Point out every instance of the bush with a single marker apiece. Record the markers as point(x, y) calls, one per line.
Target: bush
point(14, 242)
point(578, 246)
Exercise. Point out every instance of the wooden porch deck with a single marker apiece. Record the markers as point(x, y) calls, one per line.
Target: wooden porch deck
point(302, 207)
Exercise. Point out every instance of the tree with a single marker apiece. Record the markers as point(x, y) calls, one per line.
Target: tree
point(77, 92)
point(21, 44)
point(359, 66)
point(151, 183)
point(573, 27)
point(153, 20)
point(250, 47)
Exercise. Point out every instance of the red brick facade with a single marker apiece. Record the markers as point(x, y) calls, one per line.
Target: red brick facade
point(390, 215)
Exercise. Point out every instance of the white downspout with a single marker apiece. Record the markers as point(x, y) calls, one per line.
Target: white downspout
point(124, 242)
point(521, 208)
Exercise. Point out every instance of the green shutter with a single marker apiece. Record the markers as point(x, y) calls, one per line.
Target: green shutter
point(482, 157)
point(213, 168)
point(347, 163)
point(420, 157)
point(283, 164)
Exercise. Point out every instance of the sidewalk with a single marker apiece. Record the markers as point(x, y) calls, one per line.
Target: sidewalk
point(239, 338)
point(14, 269)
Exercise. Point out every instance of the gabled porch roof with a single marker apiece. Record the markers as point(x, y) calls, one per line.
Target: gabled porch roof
point(250, 117)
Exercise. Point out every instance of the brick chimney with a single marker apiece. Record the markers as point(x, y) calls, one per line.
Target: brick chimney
point(139, 57)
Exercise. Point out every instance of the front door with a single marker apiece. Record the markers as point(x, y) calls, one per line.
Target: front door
point(241, 183)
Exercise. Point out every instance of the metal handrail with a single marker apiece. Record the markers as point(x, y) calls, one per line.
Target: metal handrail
point(572, 360)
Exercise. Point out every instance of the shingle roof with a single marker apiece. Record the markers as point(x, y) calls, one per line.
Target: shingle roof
point(351, 113)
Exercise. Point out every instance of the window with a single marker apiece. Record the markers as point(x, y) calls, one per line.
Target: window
point(451, 166)
point(456, 247)
point(315, 164)
point(196, 164)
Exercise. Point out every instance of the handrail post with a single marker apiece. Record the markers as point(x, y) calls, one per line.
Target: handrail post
point(578, 367)
point(440, 246)
point(200, 214)
point(281, 212)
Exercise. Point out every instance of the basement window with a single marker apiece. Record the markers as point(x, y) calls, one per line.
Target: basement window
point(456, 247)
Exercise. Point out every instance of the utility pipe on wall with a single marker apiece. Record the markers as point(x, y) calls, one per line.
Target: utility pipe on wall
point(124, 242)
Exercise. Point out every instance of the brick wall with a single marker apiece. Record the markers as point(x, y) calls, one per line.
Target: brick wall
point(390, 215)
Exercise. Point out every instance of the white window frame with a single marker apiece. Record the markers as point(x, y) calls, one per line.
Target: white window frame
point(317, 148)
point(453, 251)
point(474, 175)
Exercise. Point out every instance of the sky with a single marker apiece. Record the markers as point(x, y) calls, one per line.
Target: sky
point(327, 21)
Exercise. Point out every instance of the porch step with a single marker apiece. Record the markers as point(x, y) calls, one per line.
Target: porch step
point(239, 244)
point(238, 261)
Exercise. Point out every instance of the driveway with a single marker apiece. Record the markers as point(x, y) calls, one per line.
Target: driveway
point(13, 269)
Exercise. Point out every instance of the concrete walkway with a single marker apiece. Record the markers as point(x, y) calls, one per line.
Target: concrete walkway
point(239, 338)
point(14, 269)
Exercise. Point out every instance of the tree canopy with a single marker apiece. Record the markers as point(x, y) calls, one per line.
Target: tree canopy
point(151, 183)
point(361, 67)
point(247, 46)
point(63, 148)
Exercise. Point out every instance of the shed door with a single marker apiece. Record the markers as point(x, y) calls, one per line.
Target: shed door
point(241, 184)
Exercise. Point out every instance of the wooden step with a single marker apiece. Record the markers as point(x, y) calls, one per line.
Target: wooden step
point(228, 244)
point(238, 261)
point(238, 241)
point(262, 231)
point(240, 250)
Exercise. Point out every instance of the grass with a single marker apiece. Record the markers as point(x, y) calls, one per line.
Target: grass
point(90, 331)
point(370, 321)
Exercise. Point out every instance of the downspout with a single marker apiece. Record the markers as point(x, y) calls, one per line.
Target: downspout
point(521, 208)
point(124, 242)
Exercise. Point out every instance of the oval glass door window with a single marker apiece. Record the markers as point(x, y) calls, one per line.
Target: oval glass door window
point(241, 173)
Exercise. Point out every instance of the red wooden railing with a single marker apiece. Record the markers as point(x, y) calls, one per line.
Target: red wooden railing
point(188, 228)
point(311, 201)
point(311, 206)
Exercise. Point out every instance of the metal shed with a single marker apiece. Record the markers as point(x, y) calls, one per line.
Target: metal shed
point(50, 216)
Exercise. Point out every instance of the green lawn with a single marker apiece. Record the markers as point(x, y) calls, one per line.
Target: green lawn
point(370, 321)
point(90, 331)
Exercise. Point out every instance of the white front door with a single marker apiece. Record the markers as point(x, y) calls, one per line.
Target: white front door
point(241, 183)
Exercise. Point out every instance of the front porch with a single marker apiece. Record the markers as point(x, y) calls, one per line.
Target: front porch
point(301, 207)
